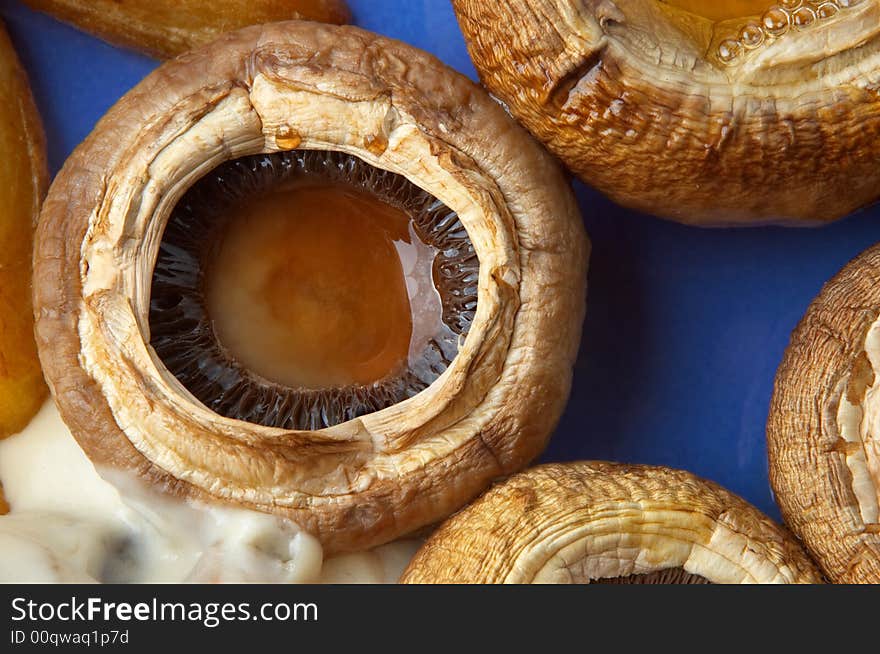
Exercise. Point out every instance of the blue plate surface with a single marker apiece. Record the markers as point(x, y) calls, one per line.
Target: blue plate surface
point(685, 327)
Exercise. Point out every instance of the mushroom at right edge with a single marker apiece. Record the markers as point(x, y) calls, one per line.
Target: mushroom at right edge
point(823, 432)
point(315, 273)
point(595, 522)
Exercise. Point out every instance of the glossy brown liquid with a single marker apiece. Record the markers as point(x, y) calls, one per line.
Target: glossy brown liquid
point(722, 9)
point(307, 287)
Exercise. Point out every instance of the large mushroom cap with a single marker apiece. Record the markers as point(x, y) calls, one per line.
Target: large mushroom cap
point(592, 521)
point(166, 28)
point(823, 431)
point(313, 87)
point(767, 118)
point(23, 183)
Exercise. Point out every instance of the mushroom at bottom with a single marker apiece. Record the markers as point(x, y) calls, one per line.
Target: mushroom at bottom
point(594, 522)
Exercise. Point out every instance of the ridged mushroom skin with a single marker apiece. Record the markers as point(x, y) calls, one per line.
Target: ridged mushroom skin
point(823, 431)
point(586, 522)
point(166, 28)
point(309, 86)
point(23, 183)
point(768, 119)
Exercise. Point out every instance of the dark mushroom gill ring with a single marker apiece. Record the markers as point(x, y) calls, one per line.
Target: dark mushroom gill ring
point(310, 87)
point(822, 429)
point(181, 324)
point(597, 522)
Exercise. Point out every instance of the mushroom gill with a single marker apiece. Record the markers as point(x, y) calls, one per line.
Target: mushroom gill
point(823, 431)
point(692, 111)
point(665, 577)
point(300, 109)
point(589, 522)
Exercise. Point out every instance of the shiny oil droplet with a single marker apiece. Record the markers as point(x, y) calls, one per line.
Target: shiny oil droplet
point(775, 21)
point(286, 138)
point(751, 36)
point(728, 51)
point(827, 10)
point(376, 143)
point(803, 18)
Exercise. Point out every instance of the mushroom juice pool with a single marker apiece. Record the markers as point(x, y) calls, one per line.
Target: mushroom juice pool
point(320, 285)
point(723, 9)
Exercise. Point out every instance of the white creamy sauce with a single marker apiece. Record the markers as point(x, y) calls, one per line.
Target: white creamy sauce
point(68, 523)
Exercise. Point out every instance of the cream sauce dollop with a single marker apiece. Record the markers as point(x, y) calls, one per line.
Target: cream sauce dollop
point(71, 523)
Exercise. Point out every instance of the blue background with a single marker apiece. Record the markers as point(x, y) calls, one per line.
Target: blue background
point(685, 327)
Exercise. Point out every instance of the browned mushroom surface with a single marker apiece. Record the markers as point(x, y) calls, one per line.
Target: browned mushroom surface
point(23, 181)
point(166, 28)
point(823, 426)
point(706, 113)
point(612, 523)
point(126, 334)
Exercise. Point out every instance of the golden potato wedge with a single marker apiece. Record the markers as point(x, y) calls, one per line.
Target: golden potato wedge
point(165, 28)
point(23, 181)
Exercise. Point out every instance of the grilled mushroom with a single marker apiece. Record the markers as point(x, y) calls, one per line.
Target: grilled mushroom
point(595, 522)
point(166, 28)
point(729, 112)
point(23, 182)
point(823, 431)
point(123, 272)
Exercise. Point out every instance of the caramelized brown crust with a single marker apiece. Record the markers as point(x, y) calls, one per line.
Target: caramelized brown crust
point(822, 434)
point(4, 506)
point(310, 86)
point(23, 181)
point(634, 97)
point(166, 28)
point(581, 522)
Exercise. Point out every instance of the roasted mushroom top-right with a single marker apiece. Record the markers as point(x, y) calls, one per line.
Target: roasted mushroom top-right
point(824, 427)
point(708, 113)
point(595, 522)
